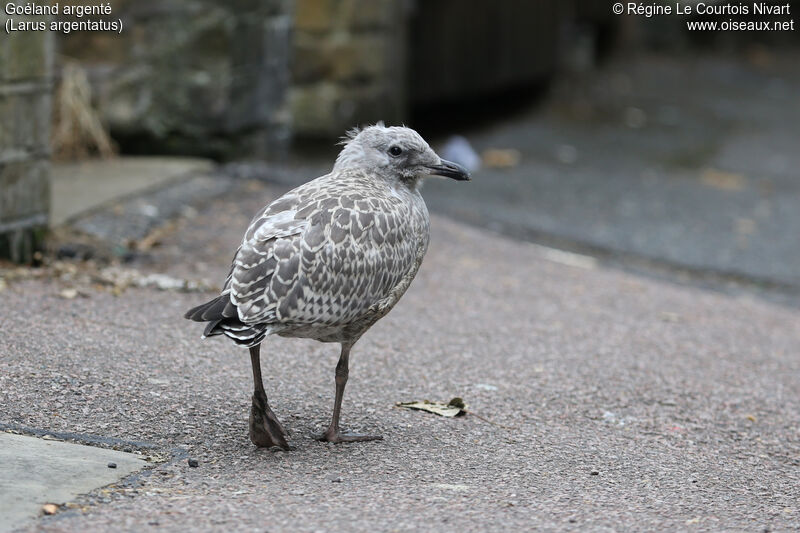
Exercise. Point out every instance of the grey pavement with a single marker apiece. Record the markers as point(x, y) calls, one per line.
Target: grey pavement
point(614, 402)
point(685, 163)
point(36, 472)
point(688, 161)
point(83, 186)
point(105, 208)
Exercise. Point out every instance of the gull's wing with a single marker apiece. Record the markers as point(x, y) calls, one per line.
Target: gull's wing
point(320, 255)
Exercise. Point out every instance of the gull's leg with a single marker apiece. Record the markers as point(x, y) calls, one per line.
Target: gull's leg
point(265, 430)
point(333, 434)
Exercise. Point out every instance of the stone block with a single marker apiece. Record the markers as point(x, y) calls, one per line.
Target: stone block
point(101, 47)
point(25, 67)
point(24, 191)
point(260, 70)
point(314, 109)
point(310, 63)
point(21, 244)
point(25, 121)
point(371, 14)
point(196, 75)
point(329, 109)
point(358, 59)
point(346, 52)
point(315, 15)
point(25, 55)
point(7, 130)
point(367, 105)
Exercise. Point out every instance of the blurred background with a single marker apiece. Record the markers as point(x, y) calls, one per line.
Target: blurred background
point(628, 138)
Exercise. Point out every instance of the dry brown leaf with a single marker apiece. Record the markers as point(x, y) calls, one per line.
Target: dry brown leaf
point(455, 407)
point(68, 294)
point(501, 158)
point(49, 508)
point(719, 179)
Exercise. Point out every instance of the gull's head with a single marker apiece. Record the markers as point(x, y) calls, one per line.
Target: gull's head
point(394, 153)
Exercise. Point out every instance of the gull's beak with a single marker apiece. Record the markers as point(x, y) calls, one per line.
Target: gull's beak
point(449, 169)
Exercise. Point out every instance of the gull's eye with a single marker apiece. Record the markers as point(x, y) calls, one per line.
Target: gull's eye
point(395, 151)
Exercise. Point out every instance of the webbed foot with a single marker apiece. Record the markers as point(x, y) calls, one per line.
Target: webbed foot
point(265, 429)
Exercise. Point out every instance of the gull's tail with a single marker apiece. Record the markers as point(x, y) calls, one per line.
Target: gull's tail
point(223, 319)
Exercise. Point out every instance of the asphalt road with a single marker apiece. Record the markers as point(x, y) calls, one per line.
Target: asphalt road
point(686, 163)
point(617, 402)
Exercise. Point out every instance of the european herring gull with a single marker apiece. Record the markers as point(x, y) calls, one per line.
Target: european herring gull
point(329, 259)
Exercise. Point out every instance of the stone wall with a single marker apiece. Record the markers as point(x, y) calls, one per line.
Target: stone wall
point(348, 64)
point(192, 76)
point(25, 96)
point(359, 61)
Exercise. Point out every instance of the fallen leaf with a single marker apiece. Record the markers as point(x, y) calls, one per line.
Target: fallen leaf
point(669, 316)
point(452, 486)
point(49, 508)
point(68, 294)
point(155, 237)
point(455, 407)
point(746, 226)
point(501, 158)
point(567, 258)
point(719, 179)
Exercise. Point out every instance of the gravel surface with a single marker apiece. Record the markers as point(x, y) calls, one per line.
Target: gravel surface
point(615, 402)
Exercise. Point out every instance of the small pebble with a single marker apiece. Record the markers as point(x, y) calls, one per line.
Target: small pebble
point(112, 465)
point(193, 463)
point(594, 473)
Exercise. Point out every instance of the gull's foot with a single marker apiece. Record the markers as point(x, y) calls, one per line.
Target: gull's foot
point(338, 436)
point(265, 429)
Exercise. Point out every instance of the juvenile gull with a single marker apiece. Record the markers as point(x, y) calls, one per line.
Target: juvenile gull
point(329, 259)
